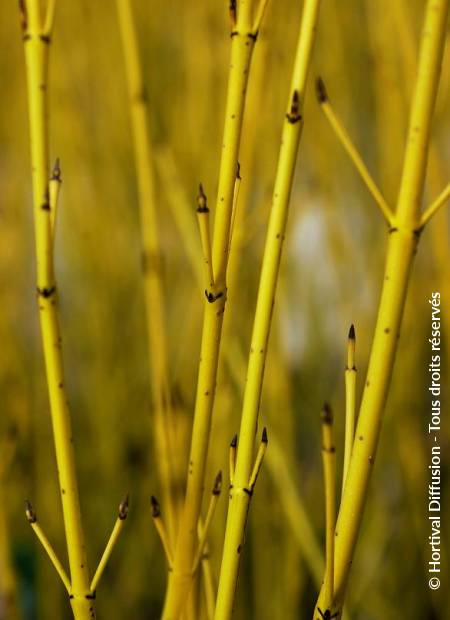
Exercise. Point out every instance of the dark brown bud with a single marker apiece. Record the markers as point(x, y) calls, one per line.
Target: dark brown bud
point(156, 511)
point(321, 91)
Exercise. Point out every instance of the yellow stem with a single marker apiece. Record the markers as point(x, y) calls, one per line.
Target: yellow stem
point(259, 459)
point(32, 520)
point(160, 528)
point(49, 17)
point(402, 244)
point(36, 44)
point(208, 585)
point(437, 204)
point(180, 579)
point(351, 150)
point(291, 500)
point(205, 237)
point(53, 189)
point(117, 529)
point(181, 208)
point(209, 517)
point(232, 458)
point(243, 226)
point(329, 469)
point(240, 493)
point(350, 402)
point(260, 14)
point(237, 187)
point(151, 259)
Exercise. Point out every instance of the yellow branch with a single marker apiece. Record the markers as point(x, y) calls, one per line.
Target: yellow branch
point(53, 189)
point(32, 520)
point(237, 187)
point(49, 17)
point(217, 488)
point(151, 260)
point(242, 44)
point(260, 15)
point(351, 150)
point(329, 469)
point(437, 204)
point(240, 493)
point(117, 529)
point(259, 459)
point(181, 208)
point(160, 528)
point(232, 458)
point(350, 402)
point(208, 585)
point(36, 45)
point(205, 237)
point(402, 245)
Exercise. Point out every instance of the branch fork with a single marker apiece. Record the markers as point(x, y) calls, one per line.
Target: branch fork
point(357, 160)
point(42, 537)
point(203, 528)
point(248, 489)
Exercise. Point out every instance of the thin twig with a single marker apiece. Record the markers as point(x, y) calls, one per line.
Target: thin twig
point(117, 529)
point(160, 528)
point(437, 204)
point(350, 401)
point(351, 150)
point(32, 520)
point(329, 467)
point(215, 494)
point(49, 17)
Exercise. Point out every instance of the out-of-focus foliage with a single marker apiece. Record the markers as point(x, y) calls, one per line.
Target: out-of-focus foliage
point(331, 273)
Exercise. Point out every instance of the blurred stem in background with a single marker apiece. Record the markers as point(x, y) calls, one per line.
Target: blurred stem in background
point(404, 233)
point(152, 261)
point(9, 607)
point(243, 479)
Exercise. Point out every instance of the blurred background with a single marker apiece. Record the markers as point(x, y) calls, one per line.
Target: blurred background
point(331, 276)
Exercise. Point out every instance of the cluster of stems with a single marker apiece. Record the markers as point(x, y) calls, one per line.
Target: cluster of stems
point(243, 480)
point(246, 17)
point(184, 539)
point(405, 225)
